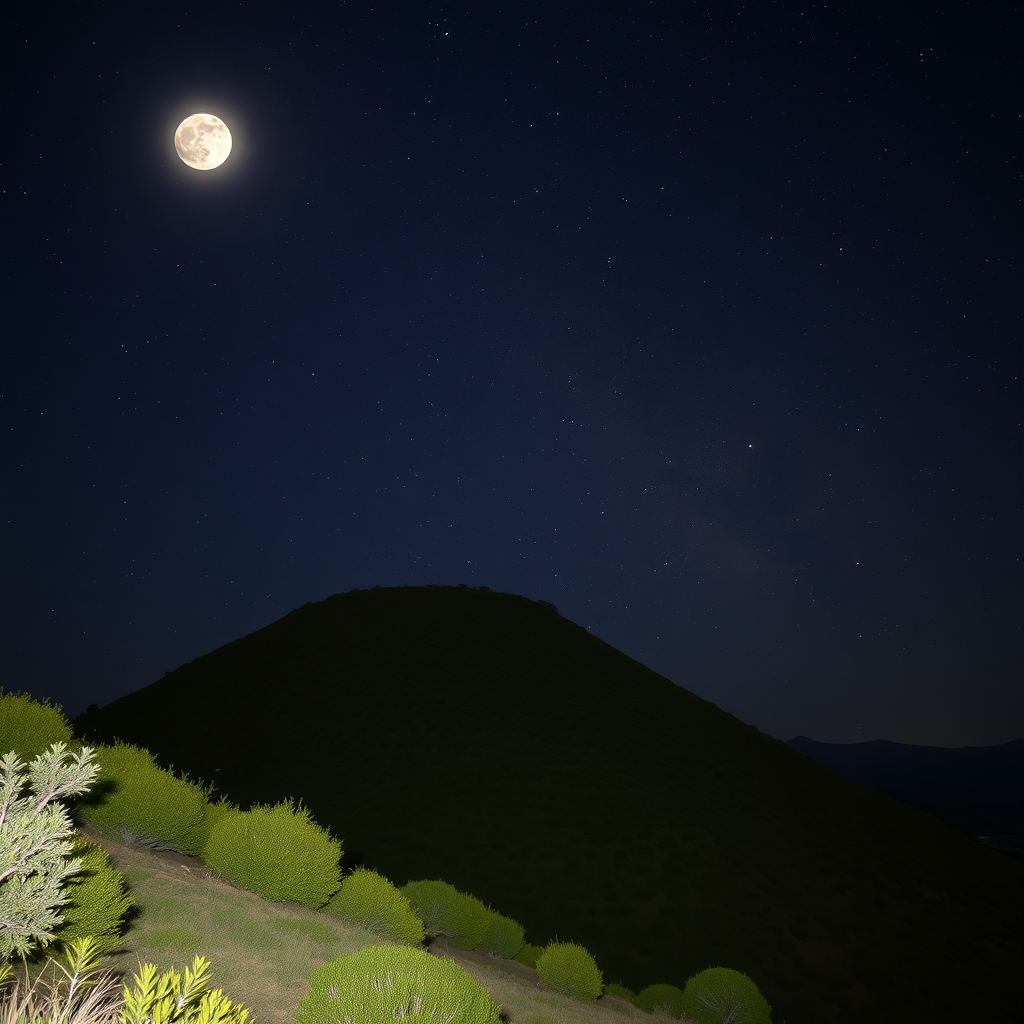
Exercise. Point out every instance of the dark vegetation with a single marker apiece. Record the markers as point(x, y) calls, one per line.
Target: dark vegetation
point(480, 738)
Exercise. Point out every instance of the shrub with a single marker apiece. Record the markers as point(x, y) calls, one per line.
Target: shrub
point(33, 846)
point(719, 995)
point(30, 728)
point(369, 899)
point(122, 759)
point(382, 984)
point(142, 805)
point(429, 901)
point(504, 937)
point(528, 955)
point(278, 852)
point(462, 918)
point(150, 807)
point(213, 814)
point(664, 998)
point(569, 969)
point(97, 900)
point(164, 998)
point(622, 992)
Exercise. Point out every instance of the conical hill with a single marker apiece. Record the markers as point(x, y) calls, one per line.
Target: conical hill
point(481, 738)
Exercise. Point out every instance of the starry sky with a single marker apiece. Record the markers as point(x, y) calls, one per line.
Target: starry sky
point(696, 320)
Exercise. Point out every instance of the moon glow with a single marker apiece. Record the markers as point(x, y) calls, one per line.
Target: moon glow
point(203, 141)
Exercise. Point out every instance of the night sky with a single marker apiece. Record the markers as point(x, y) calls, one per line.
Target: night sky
point(696, 320)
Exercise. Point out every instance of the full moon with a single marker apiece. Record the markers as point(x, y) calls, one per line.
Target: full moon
point(203, 141)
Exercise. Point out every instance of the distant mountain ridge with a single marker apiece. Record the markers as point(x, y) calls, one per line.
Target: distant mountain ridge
point(977, 789)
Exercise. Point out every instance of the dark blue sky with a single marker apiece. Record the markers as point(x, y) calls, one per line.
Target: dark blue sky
point(698, 321)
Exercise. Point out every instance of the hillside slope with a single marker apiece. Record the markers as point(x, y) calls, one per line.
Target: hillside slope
point(478, 737)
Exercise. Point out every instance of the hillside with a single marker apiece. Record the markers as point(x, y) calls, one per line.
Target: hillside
point(483, 739)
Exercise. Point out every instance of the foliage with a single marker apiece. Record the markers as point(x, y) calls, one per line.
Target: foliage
point(369, 899)
point(88, 1000)
point(719, 995)
point(461, 918)
point(119, 760)
point(167, 1000)
point(278, 852)
point(621, 992)
point(504, 937)
point(382, 984)
point(570, 969)
point(34, 845)
point(214, 813)
point(98, 900)
point(142, 805)
point(29, 728)
point(529, 955)
point(664, 998)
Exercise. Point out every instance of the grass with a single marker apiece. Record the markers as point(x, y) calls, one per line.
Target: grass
point(236, 929)
point(483, 739)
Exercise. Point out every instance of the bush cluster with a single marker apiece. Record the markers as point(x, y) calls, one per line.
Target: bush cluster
point(369, 899)
point(528, 955)
point(389, 983)
point(445, 911)
point(503, 937)
point(720, 994)
point(621, 992)
point(570, 969)
point(140, 802)
point(665, 999)
point(280, 853)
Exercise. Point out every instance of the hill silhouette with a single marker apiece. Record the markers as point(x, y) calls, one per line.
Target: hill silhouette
point(481, 738)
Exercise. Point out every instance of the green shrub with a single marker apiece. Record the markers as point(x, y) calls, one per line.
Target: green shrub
point(382, 984)
point(146, 805)
point(430, 901)
point(462, 918)
point(278, 852)
point(666, 999)
point(30, 728)
point(97, 900)
point(213, 814)
point(122, 758)
point(504, 937)
point(719, 995)
point(528, 955)
point(369, 899)
point(622, 992)
point(116, 764)
point(569, 969)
